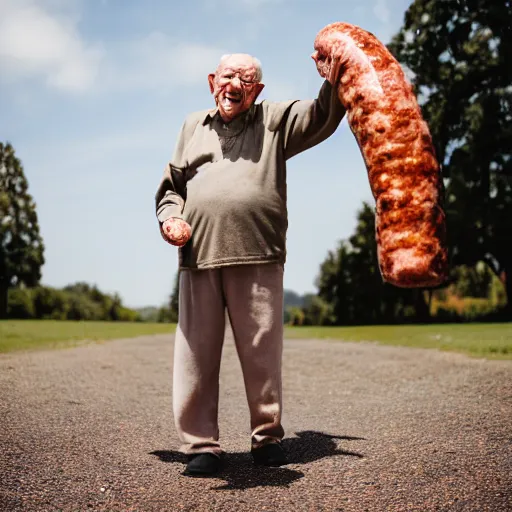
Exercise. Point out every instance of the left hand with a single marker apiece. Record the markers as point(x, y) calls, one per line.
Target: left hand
point(176, 231)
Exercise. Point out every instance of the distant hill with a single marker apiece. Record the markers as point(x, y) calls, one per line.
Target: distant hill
point(292, 298)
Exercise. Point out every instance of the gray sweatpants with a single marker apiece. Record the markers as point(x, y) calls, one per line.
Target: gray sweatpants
point(253, 296)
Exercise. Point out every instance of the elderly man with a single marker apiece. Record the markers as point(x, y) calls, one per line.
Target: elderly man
point(222, 200)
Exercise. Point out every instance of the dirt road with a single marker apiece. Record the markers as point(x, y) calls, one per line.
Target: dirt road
point(369, 428)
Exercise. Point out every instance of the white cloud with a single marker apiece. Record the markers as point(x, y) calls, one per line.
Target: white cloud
point(35, 42)
point(277, 90)
point(241, 4)
point(157, 61)
point(381, 11)
point(247, 5)
point(40, 39)
point(258, 3)
point(256, 13)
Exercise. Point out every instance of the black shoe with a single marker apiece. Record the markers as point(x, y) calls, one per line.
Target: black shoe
point(203, 464)
point(271, 454)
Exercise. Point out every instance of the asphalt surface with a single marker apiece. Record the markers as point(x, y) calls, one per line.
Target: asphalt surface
point(369, 428)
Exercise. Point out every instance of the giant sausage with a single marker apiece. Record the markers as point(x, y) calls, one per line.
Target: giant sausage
point(396, 145)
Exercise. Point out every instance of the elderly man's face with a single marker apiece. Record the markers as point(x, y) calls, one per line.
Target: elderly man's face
point(234, 87)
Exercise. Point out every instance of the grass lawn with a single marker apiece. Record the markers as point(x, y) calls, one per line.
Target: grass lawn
point(37, 334)
point(493, 341)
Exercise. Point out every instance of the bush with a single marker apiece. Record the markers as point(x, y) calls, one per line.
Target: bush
point(50, 303)
point(446, 314)
point(166, 315)
point(477, 308)
point(296, 316)
point(468, 309)
point(127, 315)
point(318, 312)
point(20, 304)
point(82, 307)
point(75, 302)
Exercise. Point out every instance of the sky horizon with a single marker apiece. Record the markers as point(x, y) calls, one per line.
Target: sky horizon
point(93, 94)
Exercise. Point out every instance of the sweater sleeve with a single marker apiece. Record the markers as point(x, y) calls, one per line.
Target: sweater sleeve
point(309, 122)
point(171, 194)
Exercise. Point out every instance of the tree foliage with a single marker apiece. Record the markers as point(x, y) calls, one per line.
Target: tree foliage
point(174, 302)
point(460, 54)
point(351, 290)
point(21, 245)
point(351, 287)
point(472, 281)
point(79, 301)
point(169, 313)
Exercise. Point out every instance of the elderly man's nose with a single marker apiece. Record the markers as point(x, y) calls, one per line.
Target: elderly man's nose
point(235, 82)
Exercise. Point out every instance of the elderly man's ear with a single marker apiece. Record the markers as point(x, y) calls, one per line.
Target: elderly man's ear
point(211, 82)
point(259, 87)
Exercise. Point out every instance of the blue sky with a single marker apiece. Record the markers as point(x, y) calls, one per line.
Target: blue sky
point(93, 93)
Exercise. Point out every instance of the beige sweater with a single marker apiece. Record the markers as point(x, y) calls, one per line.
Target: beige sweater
point(236, 201)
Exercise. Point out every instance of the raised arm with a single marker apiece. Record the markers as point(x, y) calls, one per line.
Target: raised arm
point(309, 122)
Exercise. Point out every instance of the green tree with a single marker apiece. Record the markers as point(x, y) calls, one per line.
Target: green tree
point(472, 281)
point(20, 304)
point(97, 305)
point(82, 307)
point(50, 303)
point(460, 54)
point(317, 311)
point(21, 245)
point(113, 306)
point(169, 313)
point(174, 302)
point(295, 315)
point(351, 284)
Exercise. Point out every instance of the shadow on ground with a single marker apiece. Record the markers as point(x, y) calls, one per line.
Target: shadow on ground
point(240, 473)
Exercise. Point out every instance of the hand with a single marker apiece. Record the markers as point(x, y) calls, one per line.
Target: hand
point(328, 65)
point(176, 231)
point(334, 69)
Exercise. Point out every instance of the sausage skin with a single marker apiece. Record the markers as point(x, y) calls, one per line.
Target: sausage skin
point(396, 145)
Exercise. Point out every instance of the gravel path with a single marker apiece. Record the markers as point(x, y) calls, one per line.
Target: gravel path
point(369, 428)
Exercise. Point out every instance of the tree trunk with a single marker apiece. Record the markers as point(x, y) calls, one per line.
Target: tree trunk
point(3, 298)
point(507, 281)
point(421, 306)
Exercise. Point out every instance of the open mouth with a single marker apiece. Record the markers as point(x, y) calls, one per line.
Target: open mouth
point(230, 101)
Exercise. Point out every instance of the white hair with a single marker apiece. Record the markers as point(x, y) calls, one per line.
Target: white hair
point(257, 64)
